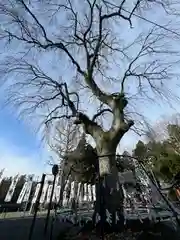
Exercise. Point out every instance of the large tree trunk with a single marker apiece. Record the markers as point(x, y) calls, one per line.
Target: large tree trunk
point(109, 192)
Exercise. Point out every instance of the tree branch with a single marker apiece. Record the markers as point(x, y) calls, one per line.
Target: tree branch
point(91, 17)
point(62, 47)
point(89, 43)
point(105, 98)
point(50, 119)
point(36, 20)
point(100, 113)
point(118, 13)
point(102, 96)
point(90, 127)
point(49, 43)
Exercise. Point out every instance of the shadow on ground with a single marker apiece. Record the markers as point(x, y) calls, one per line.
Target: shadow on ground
point(17, 229)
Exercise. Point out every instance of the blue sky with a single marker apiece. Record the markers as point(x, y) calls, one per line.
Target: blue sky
point(21, 149)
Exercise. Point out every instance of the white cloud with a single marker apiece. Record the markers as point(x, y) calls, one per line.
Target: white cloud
point(14, 161)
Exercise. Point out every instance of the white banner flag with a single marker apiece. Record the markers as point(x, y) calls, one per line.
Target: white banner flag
point(57, 180)
point(72, 191)
point(81, 193)
point(28, 191)
point(56, 194)
point(89, 193)
point(44, 192)
point(94, 192)
point(85, 192)
point(22, 193)
point(78, 191)
point(49, 193)
point(65, 199)
point(11, 189)
point(36, 193)
point(1, 175)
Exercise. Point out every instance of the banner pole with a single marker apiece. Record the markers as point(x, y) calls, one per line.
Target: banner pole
point(36, 207)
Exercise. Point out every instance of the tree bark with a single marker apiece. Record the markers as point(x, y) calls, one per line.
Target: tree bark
point(109, 192)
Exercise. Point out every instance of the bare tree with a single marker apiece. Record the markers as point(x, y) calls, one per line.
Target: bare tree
point(64, 139)
point(167, 130)
point(87, 46)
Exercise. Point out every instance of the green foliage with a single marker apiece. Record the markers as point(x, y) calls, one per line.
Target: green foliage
point(174, 137)
point(141, 150)
point(81, 162)
point(163, 157)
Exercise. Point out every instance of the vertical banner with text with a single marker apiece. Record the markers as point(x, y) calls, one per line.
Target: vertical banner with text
point(12, 187)
point(1, 175)
point(28, 191)
point(22, 193)
point(36, 193)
